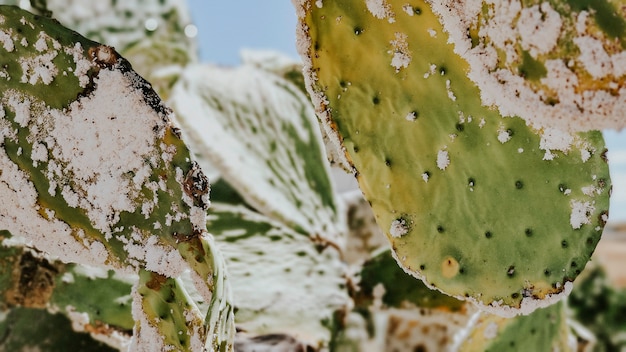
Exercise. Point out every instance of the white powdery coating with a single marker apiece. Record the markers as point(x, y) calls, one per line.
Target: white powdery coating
point(380, 9)
point(19, 213)
point(398, 228)
point(401, 53)
point(554, 139)
point(503, 135)
point(408, 9)
point(539, 28)
point(7, 42)
point(39, 68)
point(581, 212)
point(425, 177)
point(491, 331)
point(81, 139)
point(412, 116)
point(593, 56)
point(443, 160)
point(82, 64)
point(576, 110)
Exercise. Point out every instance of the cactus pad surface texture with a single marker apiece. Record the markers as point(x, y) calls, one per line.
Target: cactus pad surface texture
point(478, 206)
point(95, 173)
point(557, 63)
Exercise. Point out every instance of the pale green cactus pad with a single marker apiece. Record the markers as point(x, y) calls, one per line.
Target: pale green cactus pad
point(262, 135)
point(545, 329)
point(282, 282)
point(152, 34)
point(93, 170)
point(478, 206)
point(557, 64)
point(30, 329)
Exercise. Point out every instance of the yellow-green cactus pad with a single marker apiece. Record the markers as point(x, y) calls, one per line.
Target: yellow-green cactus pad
point(282, 281)
point(545, 329)
point(478, 206)
point(262, 135)
point(557, 64)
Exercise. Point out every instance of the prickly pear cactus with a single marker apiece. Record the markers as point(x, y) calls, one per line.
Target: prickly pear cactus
point(478, 206)
point(557, 64)
point(96, 173)
point(249, 119)
point(283, 282)
point(152, 34)
point(401, 313)
point(545, 329)
point(53, 332)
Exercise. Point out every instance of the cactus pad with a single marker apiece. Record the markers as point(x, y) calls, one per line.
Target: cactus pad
point(545, 329)
point(478, 206)
point(557, 64)
point(282, 282)
point(262, 135)
point(93, 170)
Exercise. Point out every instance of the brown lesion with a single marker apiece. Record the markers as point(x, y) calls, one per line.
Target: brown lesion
point(196, 186)
point(103, 55)
point(34, 281)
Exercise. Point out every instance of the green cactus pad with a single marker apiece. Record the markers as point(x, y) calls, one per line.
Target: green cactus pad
point(167, 314)
point(282, 282)
point(29, 329)
point(400, 289)
point(93, 170)
point(478, 206)
point(557, 64)
point(262, 135)
point(545, 329)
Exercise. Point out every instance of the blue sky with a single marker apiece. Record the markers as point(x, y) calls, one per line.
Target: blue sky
point(226, 27)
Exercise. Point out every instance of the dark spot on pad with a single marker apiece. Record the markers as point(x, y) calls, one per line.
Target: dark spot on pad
point(510, 132)
point(376, 100)
point(547, 272)
point(471, 182)
point(519, 184)
point(387, 161)
point(562, 187)
point(564, 244)
point(488, 234)
point(442, 70)
point(514, 295)
point(422, 267)
point(358, 30)
point(510, 271)
point(462, 271)
point(356, 149)
point(440, 229)
point(417, 10)
point(460, 127)
point(574, 264)
point(528, 232)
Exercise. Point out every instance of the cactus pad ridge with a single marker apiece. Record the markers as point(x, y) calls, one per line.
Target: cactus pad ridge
point(478, 206)
point(261, 133)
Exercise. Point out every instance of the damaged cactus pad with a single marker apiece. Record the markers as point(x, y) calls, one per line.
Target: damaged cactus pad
point(93, 170)
point(479, 206)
